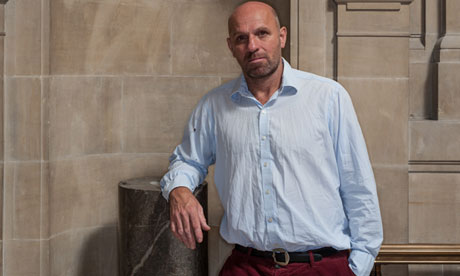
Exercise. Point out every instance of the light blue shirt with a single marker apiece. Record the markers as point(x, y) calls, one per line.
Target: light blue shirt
point(293, 173)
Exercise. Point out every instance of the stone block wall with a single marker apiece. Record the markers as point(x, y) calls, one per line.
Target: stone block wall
point(24, 191)
point(98, 91)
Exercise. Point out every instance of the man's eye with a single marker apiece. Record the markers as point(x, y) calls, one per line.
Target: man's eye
point(240, 38)
point(262, 33)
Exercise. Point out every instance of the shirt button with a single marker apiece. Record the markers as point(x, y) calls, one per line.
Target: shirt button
point(264, 137)
point(270, 220)
point(267, 192)
point(263, 112)
point(265, 164)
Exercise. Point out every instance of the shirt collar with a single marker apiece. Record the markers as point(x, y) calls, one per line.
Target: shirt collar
point(289, 84)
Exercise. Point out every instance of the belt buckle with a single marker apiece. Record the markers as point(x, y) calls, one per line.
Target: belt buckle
point(286, 256)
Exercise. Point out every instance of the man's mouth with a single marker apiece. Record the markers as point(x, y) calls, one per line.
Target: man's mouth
point(256, 59)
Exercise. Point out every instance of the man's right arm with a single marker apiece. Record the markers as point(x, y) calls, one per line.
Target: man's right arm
point(188, 168)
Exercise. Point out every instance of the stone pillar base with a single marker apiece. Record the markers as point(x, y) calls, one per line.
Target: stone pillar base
point(147, 246)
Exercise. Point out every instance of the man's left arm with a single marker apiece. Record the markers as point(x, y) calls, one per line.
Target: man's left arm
point(357, 185)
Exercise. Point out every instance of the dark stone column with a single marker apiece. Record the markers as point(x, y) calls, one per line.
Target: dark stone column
point(147, 246)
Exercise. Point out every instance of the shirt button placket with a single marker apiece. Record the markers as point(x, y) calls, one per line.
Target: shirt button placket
point(265, 157)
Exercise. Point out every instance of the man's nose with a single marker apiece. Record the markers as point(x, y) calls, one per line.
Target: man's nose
point(252, 43)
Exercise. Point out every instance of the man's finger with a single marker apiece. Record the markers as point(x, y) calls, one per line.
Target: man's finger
point(187, 231)
point(174, 230)
point(180, 232)
point(197, 227)
point(172, 225)
point(178, 224)
point(203, 223)
point(178, 237)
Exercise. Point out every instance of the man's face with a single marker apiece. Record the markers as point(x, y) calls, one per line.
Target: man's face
point(256, 40)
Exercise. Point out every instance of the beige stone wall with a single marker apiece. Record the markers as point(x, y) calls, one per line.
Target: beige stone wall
point(97, 91)
point(24, 190)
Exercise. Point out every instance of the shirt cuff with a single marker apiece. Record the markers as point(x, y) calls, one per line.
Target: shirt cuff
point(179, 181)
point(361, 262)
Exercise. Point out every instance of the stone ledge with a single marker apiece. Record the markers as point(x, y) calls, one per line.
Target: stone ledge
point(372, 34)
point(374, 1)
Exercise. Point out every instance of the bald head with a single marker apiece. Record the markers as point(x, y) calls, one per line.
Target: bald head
point(256, 39)
point(250, 8)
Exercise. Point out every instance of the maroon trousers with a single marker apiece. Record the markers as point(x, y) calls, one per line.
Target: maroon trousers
point(242, 264)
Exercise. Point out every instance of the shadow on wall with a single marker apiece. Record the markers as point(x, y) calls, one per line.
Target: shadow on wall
point(98, 255)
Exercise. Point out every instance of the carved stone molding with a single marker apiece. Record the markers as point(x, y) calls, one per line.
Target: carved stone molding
point(359, 18)
point(2, 16)
point(451, 39)
point(448, 58)
point(384, 2)
point(373, 6)
point(416, 254)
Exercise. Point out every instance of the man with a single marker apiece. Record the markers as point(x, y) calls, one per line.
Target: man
point(292, 169)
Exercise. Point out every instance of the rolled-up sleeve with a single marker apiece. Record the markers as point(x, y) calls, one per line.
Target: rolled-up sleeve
point(190, 160)
point(357, 184)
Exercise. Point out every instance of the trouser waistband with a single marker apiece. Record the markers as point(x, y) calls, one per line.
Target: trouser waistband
point(294, 257)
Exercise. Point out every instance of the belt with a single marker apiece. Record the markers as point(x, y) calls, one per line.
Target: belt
point(282, 257)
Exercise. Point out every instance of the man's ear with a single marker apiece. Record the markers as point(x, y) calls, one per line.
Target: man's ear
point(283, 36)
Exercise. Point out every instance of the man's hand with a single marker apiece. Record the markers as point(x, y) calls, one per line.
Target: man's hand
point(187, 217)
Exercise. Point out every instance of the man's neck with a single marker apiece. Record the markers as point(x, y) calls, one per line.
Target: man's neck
point(264, 88)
